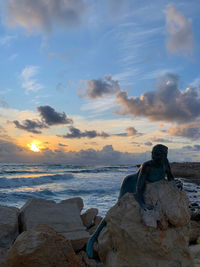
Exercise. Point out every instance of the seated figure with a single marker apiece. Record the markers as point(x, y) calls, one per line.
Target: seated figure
point(151, 171)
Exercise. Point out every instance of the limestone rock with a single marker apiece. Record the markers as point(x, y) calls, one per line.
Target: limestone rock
point(97, 221)
point(195, 252)
point(89, 216)
point(194, 231)
point(64, 217)
point(41, 246)
point(77, 200)
point(127, 241)
point(8, 226)
point(86, 262)
point(3, 253)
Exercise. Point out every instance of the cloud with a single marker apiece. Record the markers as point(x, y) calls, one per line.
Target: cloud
point(3, 103)
point(76, 133)
point(160, 140)
point(148, 144)
point(192, 148)
point(30, 126)
point(167, 103)
point(52, 117)
point(101, 87)
point(179, 29)
point(130, 131)
point(37, 15)
point(29, 83)
point(188, 130)
point(7, 39)
point(63, 145)
point(49, 116)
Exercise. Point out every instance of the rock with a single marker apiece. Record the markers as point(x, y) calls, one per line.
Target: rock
point(195, 253)
point(194, 231)
point(41, 246)
point(9, 228)
point(89, 216)
point(195, 215)
point(86, 262)
point(97, 221)
point(64, 217)
point(77, 200)
point(127, 241)
point(3, 253)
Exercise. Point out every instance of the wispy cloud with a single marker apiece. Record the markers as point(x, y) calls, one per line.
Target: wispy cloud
point(29, 82)
point(7, 39)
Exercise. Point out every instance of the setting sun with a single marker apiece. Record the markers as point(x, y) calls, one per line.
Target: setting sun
point(34, 146)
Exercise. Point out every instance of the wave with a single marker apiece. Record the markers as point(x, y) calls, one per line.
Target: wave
point(19, 182)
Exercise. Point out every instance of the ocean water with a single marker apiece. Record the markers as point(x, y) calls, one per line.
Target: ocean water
point(98, 186)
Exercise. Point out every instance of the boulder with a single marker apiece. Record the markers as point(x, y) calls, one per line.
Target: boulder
point(89, 216)
point(9, 228)
point(77, 200)
point(41, 246)
point(128, 241)
point(86, 262)
point(195, 253)
point(3, 253)
point(194, 231)
point(64, 217)
point(97, 221)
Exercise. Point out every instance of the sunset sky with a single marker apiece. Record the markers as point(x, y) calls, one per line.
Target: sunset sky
point(99, 81)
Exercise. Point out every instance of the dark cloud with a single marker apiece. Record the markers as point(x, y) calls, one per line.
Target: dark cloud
point(76, 133)
point(188, 130)
point(42, 15)
point(148, 144)
point(63, 145)
point(160, 140)
point(192, 148)
point(52, 117)
point(100, 87)
point(10, 152)
point(130, 131)
point(179, 29)
point(167, 103)
point(30, 126)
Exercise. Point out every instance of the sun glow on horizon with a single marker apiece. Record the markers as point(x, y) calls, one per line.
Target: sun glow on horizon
point(34, 146)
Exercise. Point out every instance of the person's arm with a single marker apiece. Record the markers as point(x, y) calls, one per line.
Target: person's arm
point(170, 176)
point(141, 182)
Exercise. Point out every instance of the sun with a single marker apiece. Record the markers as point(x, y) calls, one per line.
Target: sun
point(34, 146)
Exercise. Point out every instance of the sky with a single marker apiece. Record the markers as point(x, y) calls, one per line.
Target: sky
point(99, 81)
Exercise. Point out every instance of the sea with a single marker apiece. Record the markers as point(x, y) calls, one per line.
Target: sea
point(98, 186)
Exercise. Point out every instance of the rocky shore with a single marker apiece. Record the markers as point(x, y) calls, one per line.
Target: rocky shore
point(187, 170)
point(46, 233)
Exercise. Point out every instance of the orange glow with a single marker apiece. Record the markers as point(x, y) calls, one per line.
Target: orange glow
point(35, 146)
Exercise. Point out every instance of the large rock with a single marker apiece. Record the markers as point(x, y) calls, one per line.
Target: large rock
point(194, 231)
point(9, 228)
point(195, 252)
point(154, 238)
point(3, 253)
point(89, 216)
point(64, 217)
point(41, 246)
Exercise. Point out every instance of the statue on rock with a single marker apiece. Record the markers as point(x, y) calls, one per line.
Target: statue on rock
point(151, 171)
